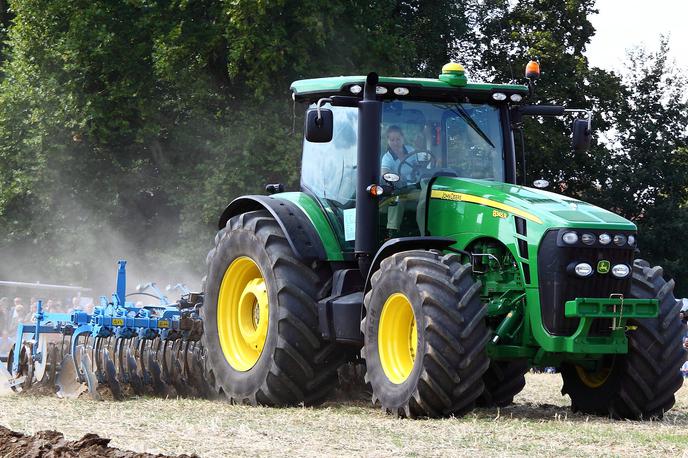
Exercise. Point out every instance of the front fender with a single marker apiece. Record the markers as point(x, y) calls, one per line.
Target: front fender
point(404, 244)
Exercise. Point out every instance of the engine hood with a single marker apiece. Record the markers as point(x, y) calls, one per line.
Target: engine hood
point(541, 207)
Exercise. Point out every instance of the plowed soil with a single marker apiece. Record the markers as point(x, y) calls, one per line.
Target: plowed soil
point(53, 444)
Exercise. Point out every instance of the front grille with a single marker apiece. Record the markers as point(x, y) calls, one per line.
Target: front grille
point(558, 286)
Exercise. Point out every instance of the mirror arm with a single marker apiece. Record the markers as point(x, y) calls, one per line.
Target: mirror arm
point(344, 101)
point(547, 110)
point(318, 106)
point(541, 110)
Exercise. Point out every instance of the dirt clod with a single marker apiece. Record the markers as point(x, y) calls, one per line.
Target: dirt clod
point(52, 444)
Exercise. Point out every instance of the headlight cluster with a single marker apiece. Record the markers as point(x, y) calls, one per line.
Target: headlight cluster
point(604, 239)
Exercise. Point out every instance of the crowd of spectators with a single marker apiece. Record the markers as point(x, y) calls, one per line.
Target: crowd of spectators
point(17, 310)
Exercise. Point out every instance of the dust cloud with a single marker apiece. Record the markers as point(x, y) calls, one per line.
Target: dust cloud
point(83, 251)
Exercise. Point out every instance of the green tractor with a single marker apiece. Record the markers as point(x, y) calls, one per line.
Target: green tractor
point(411, 245)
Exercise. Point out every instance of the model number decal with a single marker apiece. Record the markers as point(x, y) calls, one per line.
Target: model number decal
point(446, 195)
point(471, 199)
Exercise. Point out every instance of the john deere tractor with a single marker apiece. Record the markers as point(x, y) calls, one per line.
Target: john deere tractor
point(411, 244)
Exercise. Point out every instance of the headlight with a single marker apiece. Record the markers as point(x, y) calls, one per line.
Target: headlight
point(605, 239)
point(621, 271)
point(588, 239)
point(583, 269)
point(619, 240)
point(570, 237)
point(631, 240)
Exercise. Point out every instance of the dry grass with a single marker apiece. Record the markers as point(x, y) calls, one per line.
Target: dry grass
point(539, 423)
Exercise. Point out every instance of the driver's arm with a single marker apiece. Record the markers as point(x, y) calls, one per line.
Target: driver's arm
point(387, 165)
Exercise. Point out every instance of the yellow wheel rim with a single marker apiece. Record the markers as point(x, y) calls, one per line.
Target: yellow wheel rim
point(243, 314)
point(397, 339)
point(596, 378)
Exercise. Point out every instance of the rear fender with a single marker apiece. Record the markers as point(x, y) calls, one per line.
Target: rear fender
point(300, 232)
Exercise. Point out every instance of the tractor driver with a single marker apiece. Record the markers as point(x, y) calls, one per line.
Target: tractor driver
point(397, 152)
point(399, 160)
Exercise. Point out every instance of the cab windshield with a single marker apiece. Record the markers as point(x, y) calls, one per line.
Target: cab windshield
point(417, 141)
point(420, 138)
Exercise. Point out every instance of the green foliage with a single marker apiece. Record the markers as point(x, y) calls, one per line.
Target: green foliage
point(556, 32)
point(646, 177)
point(126, 127)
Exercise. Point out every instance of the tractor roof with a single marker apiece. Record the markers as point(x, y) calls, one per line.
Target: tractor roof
point(449, 86)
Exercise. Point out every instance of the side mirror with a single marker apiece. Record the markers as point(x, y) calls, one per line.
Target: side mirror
point(582, 134)
point(319, 124)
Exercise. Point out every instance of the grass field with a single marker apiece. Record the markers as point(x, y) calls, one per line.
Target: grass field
point(540, 423)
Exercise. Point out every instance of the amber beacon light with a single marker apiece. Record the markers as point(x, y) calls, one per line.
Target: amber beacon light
point(533, 70)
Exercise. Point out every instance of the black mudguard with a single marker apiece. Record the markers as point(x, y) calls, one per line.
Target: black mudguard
point(301, 235)
point(397, 245)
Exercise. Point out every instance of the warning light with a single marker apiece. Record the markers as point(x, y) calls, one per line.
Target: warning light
point(533, 70)
point(375, 190)
point(453, 74)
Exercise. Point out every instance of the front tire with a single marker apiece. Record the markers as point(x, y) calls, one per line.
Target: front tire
point(639, 385)
point(260, 318)
point(425, 335)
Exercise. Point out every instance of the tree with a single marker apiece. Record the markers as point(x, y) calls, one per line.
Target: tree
point(646, 177)
point(507, 35)
point(126, 127)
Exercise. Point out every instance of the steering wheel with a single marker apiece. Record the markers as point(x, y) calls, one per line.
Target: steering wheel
point(424, 160)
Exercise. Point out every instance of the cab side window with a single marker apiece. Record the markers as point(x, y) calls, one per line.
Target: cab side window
point(328, 170)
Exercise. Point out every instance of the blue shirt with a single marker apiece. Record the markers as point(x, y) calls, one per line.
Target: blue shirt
point(391, 162)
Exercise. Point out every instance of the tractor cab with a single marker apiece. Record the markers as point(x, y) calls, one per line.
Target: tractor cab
point(418, 140)
point(422, 129)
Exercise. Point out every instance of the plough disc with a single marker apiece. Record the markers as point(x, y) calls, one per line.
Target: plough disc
point(91, 380)
point(68, 384)
point(176, 369)
point(98, 370)
point(53, 362)
point(21, 378)
point(135, 380)
point(195, 370)
point(151, 357)
point(41, 363)
point(111, 375)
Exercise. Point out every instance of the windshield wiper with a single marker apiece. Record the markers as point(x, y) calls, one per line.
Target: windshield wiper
point(461, 111)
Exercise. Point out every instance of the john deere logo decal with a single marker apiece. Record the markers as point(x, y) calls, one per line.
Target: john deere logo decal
point(603, 267)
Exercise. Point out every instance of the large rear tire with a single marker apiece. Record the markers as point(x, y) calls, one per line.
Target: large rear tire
point(260, 318)
point(639, 385)
point(425, 335)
